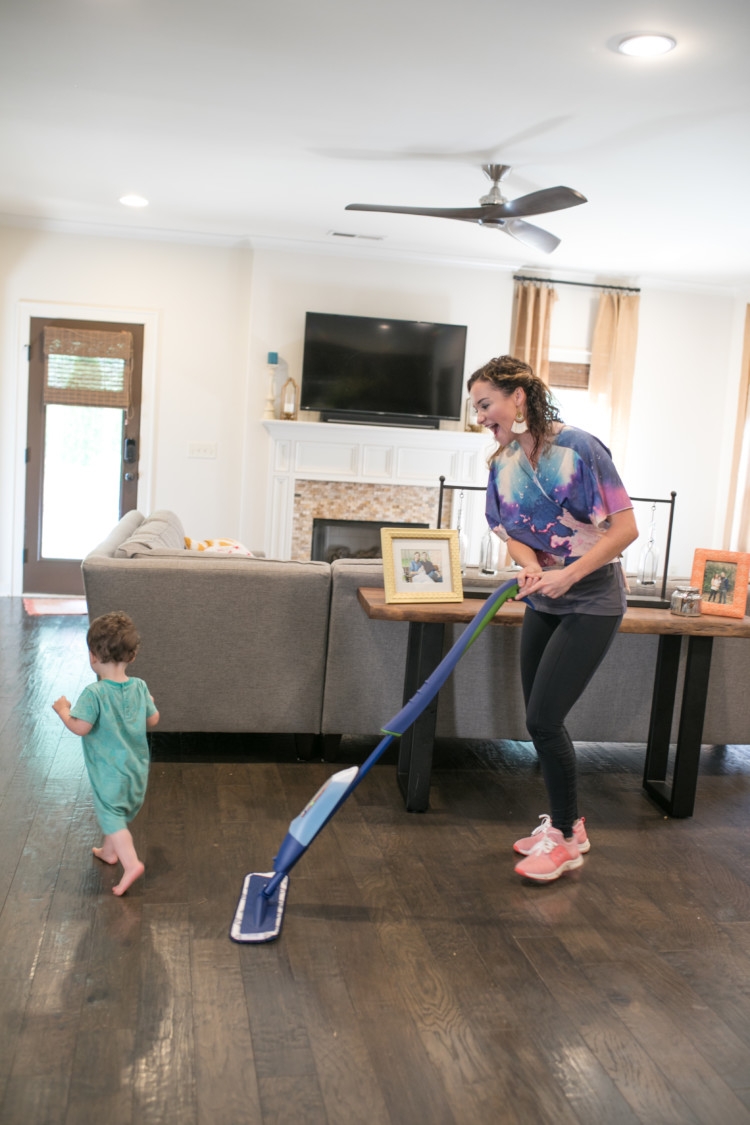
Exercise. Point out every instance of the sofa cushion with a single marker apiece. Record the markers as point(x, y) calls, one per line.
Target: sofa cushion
point(123, 530)
point(160, 529)
point(186, 554)
point(227, 643)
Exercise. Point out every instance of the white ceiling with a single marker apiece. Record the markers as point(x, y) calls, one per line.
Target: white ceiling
point(260, 121)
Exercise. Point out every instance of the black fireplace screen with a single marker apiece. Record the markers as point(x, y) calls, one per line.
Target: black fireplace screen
point(350, 539)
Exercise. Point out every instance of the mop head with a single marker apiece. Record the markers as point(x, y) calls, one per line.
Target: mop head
point(258, 918)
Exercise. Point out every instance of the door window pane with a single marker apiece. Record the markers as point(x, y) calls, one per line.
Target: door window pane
point(81, 490)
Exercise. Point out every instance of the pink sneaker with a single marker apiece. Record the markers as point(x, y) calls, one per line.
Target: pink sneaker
point(550, 858)
point(527, 845)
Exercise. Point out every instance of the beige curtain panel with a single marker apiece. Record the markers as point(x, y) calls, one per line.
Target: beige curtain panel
point(532, 315)
point(737, 527)
point(84, 367)
point(613, 363)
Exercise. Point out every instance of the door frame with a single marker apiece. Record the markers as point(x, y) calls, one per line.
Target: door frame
point(149, 318)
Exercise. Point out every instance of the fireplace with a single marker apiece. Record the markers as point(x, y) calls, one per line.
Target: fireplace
point(366, 473)
point(365, 506)
point(349, 539)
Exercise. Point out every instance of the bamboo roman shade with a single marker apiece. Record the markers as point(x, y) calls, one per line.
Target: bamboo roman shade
point(87, 367)
point(563, 374)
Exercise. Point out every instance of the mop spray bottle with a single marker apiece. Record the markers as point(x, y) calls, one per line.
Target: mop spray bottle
point(305, 827)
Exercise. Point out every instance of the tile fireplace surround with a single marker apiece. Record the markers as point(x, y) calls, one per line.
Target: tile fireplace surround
point(329, 470)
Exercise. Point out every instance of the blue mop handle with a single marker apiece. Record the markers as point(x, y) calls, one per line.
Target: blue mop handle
point(432, 685)
point(332, 795)
point(422, 698)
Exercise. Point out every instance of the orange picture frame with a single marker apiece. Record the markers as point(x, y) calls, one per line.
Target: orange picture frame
point(721, 577)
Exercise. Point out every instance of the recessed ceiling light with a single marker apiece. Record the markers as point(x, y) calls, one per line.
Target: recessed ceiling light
point(646, 45)
point(133, 201)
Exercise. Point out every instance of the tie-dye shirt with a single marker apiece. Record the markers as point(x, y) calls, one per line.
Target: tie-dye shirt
point(560, 509)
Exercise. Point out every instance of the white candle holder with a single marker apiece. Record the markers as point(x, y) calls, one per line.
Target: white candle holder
point(273, 365)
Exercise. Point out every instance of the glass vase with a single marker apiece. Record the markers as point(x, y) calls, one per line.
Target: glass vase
point(648, 565)
point(488, 554)
point(289, 394)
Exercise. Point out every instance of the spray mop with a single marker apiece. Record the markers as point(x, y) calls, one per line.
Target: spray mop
point(261, 906)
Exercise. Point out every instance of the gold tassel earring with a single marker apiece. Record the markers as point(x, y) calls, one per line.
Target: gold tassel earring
point(519, 425)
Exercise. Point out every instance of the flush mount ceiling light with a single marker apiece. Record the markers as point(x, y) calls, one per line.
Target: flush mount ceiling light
point(646, 44)
point(133, 201)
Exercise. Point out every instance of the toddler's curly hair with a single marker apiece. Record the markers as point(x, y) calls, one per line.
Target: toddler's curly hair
point(113, 638)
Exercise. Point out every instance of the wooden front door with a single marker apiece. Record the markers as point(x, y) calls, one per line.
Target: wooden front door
point(81, 457)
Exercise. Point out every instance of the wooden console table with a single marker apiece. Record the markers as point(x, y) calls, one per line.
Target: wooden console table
point(427, 621)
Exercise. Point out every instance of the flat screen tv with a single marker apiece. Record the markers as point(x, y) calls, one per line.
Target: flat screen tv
point(388, 372)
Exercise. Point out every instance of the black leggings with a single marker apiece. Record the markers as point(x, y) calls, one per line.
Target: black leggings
point(559, 655)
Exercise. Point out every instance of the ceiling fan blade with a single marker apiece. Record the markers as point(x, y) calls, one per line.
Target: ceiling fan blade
point(472, 214)
point(540, 202)
point(530, 235)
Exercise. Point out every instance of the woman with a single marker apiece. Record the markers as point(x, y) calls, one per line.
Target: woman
point(555, 497)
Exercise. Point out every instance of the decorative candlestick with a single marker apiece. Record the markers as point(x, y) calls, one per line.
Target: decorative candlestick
point(273, 363)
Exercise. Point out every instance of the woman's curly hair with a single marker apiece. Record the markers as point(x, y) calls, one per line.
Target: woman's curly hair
point(506, 373)
point(113, 638)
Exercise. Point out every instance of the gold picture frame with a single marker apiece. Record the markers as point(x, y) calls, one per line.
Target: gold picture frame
point(421, 566)
point(721, 577)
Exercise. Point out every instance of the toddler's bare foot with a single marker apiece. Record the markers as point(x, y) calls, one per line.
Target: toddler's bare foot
point(128, 878)
point(105, 855)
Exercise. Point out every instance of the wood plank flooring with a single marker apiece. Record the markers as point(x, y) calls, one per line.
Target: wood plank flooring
point(416, 979)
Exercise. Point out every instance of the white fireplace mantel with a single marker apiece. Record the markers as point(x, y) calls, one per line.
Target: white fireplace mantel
point(362, 454)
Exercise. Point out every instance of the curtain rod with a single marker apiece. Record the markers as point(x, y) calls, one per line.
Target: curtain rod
point(586, 284)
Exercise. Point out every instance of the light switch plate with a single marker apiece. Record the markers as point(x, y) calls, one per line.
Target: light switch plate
point(205, 449)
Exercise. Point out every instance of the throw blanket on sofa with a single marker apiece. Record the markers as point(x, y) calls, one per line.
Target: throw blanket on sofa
point(217, 546)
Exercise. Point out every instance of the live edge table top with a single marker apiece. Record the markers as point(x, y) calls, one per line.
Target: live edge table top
point(636, 620)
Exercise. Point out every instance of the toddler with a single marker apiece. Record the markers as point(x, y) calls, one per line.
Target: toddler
point(112, 717)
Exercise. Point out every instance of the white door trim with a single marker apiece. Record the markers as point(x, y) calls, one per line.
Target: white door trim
point(149, 318)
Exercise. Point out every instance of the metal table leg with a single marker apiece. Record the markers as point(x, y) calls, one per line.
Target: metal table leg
point(424, 653)
point(677, 799)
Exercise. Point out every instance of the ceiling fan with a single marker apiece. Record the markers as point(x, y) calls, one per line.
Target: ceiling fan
point(498, 212)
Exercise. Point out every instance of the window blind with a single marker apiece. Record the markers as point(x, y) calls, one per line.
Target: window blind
point(568, 374)
point(87, 367)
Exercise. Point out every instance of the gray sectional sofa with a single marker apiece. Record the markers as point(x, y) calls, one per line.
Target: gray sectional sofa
point(261, 645)
point(227, 643)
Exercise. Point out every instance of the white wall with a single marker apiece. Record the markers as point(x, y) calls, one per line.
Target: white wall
point(684, 404)
point(286, 285)
point(218, 311)
point(197, 297)
point(683, 411)
point(685, 386)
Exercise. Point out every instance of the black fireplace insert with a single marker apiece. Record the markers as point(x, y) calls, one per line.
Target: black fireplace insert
point(350, 539)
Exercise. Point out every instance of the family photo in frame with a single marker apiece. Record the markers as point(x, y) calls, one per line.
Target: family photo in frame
point(421, 566)
point(721, 577)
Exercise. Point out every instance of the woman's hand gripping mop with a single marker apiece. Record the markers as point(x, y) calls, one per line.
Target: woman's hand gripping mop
point(261, 907)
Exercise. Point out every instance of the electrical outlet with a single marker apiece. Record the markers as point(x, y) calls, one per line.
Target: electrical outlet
point(204, 449)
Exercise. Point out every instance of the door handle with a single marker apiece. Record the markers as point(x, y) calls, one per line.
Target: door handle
point(129, 454)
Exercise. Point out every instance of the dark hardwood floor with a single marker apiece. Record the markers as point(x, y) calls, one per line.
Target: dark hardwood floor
point(416, 979)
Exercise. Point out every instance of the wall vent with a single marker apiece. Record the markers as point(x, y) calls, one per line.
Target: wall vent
point(361, 237)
